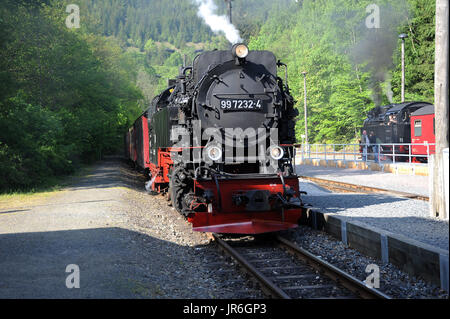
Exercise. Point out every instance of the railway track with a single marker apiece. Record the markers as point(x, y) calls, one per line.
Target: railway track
point(284, 270)
point(347, 187)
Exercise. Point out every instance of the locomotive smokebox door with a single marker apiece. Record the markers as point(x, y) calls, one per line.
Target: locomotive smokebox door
point(236, 96)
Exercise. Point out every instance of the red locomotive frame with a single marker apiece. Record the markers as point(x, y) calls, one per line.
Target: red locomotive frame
point(230, 218)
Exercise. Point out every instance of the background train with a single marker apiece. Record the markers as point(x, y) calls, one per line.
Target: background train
point(404, 123)
point(218, 142)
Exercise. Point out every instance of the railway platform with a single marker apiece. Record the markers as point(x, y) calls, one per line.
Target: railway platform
point(387, 226)
point(402, 168)
point(396, 182)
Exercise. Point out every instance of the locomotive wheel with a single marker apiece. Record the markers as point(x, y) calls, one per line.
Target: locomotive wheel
point(178, 189)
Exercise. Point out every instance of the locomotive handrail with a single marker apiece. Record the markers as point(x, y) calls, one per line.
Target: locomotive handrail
point(380, 152)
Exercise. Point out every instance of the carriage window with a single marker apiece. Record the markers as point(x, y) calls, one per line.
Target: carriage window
point(417, 128)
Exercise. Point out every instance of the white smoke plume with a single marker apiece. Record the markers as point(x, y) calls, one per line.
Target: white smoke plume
point(206, 9)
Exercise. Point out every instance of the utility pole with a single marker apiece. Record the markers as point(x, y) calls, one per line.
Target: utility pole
point(229, 9)
point(403, 36)
point(441, 104)
point(306, 110)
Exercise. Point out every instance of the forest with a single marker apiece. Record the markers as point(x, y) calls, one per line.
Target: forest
point(67, 95)
point(351, 68)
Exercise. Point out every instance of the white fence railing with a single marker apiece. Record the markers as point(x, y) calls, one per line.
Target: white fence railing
point(390, 152)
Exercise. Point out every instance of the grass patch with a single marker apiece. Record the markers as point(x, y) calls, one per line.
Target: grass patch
point(36, 194)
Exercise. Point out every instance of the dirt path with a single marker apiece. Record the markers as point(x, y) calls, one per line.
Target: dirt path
point(126, 244)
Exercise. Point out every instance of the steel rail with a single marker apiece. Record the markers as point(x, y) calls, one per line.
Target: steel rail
point(351, 283)
point(361, 188)
point(266, 284)
point(357, 287)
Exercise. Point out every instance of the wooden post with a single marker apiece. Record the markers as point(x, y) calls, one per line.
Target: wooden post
point(441, 96)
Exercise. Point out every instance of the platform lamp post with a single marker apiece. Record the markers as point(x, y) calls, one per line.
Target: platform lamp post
point(403, 36)
point(229, 9)
point(306, 110)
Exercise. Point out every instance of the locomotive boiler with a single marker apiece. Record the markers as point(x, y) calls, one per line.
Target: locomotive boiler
point(218, 142)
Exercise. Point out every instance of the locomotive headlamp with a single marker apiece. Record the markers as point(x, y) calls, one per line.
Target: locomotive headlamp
point(240, 50)
point(214, 153)
point(275, 152)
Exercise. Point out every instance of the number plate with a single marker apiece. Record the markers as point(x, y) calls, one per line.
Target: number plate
point(236, 105)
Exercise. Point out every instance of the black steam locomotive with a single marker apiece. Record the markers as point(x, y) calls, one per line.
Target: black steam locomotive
point(395, 125)
point(219, 143)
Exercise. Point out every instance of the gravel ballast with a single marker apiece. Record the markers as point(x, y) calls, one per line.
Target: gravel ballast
point(393, 281)
point(404, 216)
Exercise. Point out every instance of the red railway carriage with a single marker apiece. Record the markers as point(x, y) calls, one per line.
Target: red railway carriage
point(137, 143)
point(422, 131)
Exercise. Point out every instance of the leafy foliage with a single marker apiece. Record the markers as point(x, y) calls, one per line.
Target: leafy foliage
point(348, 64)
point(136, 21)
point(419, 54)
point(67, 96)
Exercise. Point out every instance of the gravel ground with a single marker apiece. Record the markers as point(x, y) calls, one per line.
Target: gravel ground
point(126, 243)
point(195, 269)
point(403, 183)
point(393, 281)
point(129, 244)
point(398, 215)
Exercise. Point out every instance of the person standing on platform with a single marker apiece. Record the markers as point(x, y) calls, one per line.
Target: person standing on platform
point(365, 143)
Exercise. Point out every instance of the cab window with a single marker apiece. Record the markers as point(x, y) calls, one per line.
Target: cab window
point(418, 128)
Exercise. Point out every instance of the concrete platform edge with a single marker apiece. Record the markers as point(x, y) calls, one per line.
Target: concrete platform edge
point(414, 257)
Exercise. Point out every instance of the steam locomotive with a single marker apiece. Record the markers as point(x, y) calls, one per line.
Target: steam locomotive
point(403, 123)
point(218, 142)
